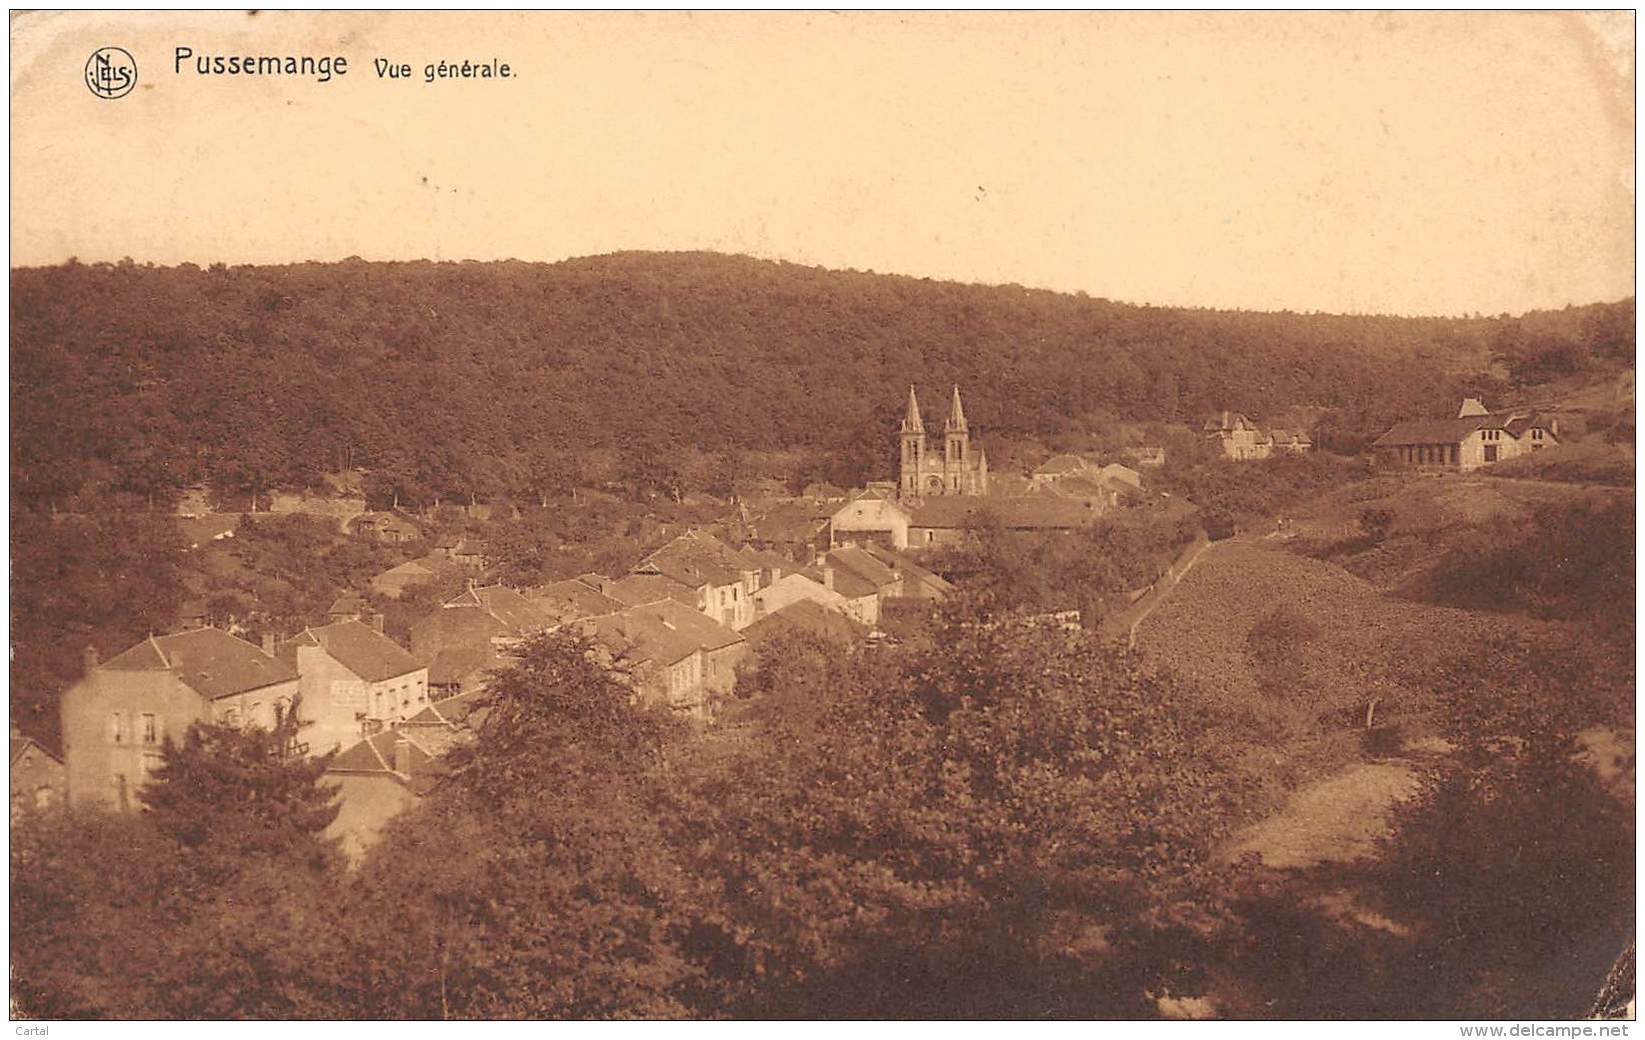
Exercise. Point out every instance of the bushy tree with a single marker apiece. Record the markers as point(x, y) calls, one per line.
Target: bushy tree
point(235, 793)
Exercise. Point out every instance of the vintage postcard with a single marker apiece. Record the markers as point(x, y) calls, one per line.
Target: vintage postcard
point(819, 515)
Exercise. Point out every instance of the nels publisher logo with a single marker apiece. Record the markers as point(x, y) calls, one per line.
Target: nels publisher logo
point(111, 72)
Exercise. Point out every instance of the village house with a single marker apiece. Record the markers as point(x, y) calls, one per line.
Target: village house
point(813, 585)
point(671, 654)
point(38, 779)
point(463, 552)
point(473, 634)
point(385, 527)
point(1475, 437)
point(870, 517)
point(1239, 437)
point(347, 607)
point(798, 528)
point(810, 618)
point(945, 521)
point(724, 580)
point(571, 600)
point(633, 589)
point(393, 582)
point(859, 580)
point(960, 469)
point(382, 775)
point(354, 681)
point(1149, 456)
point(118, 715)
point(914, 581)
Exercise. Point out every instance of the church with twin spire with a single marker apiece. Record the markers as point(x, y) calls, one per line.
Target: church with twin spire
point(958, 468)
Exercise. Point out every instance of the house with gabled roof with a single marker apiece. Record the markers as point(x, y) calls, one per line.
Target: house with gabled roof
point(723, 579)
point(354, 680)
point(1475, 437)
point(118, 715)
point(37, 777)
point(571, 600)
point(870, 517)
point(810, 618)
point(914, 580)
point(473, 634)
point(671, 654)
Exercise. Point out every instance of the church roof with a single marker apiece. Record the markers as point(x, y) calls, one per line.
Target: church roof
point(956, 412)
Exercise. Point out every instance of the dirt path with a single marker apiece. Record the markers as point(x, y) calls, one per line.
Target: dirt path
point(1165, 593)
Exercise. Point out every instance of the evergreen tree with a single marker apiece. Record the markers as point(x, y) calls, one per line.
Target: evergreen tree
point(230, 793)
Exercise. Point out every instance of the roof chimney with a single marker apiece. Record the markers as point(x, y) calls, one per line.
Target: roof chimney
point(89, 658)
point(828, 577)
point(1472, 406)
point(268, 644)
point(402, 756)
point(377, 621)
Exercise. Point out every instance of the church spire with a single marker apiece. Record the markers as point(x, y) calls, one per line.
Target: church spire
point(956, 413)
point(911, 420)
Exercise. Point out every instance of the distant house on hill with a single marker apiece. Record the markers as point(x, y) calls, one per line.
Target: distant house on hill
point(1242, 439)
point(393, 582)
point(1150, 456)
point(1239, 437)
point(385, 527)
point(1475, 437)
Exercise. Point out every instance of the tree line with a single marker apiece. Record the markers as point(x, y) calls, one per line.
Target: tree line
point(451, 381)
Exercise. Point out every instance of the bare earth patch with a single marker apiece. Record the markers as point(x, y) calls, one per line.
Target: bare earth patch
point(1336, 820)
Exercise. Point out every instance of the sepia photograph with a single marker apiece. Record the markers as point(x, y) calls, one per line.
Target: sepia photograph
point(805, 516)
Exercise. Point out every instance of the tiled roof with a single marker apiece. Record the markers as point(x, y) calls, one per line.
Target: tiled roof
point(520, 614)
point(635, 589)
point(449, 628)
point(571, 599)
point(806, 616)
point(696, 559)
point(1058, 465)
point(642, 638)
point(376, 754)
point(210, 661)
point(677, 617)
point(21, 743)
point(358, 647)
point(1030, 512)
point(847, 583)
point(863, 565)
point(459, 664)
point(1436, 431)
point(906, 566)
point(797, 521)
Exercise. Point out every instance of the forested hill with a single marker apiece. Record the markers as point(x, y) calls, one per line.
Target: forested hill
point(485, 378)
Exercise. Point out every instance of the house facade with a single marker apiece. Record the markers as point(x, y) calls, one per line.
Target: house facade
point(1475, 437)
point(116, 718)
point(723, 578)
point(355, 681)
point(870, 518)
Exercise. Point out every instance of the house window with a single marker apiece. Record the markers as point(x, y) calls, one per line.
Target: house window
point(43, 797)
point(151, 764)
point(255, 716)
point(151, 728)
point(1536, 435)
point(117, 728)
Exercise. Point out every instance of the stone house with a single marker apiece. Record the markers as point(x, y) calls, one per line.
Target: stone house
point(385, 527)
point(355, 681)
point(116, 718)
point(1475, 437)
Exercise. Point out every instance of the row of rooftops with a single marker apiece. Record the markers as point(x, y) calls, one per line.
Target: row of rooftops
point(1226, 423)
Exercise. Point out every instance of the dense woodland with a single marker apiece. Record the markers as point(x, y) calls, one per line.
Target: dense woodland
point(458, 380)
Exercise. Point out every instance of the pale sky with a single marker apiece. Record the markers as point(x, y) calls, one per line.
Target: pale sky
point(1407, 163)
